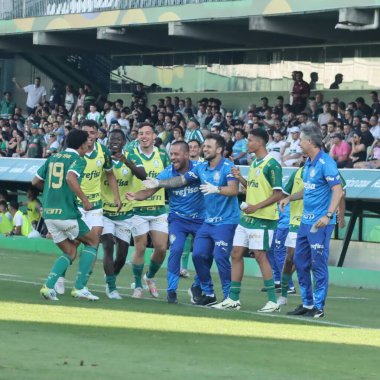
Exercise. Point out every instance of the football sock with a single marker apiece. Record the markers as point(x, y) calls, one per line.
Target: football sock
point(58, 269)
point(137, 273)
point(285, 279)
point(89, 275)
point(153, 269)
point(85, 264)
point(269, 285)
point(111, 282)
point(235, 290)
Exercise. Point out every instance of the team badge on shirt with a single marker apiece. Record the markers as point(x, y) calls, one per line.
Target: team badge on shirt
point(312, 172)
point(217, 177)
point(156, 164)
point(257, 172)
point(98, 163)
point(125, 172)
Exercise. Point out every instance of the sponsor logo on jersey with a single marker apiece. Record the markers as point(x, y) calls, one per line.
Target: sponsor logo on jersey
point(309, 186)
point(91, 175)
point(257, 173)
point(221, 243)
point(317, 246)
point(186, 191)
point(253, 183)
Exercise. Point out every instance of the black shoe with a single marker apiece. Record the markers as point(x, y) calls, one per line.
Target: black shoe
point(315, 313)
point(206, 301)
point(172, 297)
point(292, 291)
point(277, 288)
point(299, 310)
point(195, 293)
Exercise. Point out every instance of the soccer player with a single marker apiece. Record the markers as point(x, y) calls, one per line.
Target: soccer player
point(98, 158)
point(214, 238)
point(321, 196)
point(149, 215)
point(186, 211)
point(117, 223)
point(59, 177)
point(256, 229)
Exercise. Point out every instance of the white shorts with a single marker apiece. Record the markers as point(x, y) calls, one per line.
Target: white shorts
point(143, 224)
point(119, 228)
point(66, 229)
point(253, 239)
point(291, 239)
point(93, 218)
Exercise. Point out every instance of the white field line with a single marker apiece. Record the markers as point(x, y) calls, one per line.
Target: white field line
point(268, 315)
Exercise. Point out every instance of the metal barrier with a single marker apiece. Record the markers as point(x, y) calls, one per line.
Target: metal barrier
point(11, 9)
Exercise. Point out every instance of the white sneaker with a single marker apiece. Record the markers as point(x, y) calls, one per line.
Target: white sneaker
point(59, 286)
point(114, 295)
point(184, 273)
point(269, 307)
point(48, 294)
point(151, 283)
point(282, 301)
point(138, 293)
point(227, 304)
point(84, 294)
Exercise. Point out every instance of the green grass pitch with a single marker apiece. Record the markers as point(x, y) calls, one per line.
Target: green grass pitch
point(149, 339)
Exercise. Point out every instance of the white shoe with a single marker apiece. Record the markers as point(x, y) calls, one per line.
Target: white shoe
point(269, 307)
point(184, 273)
point(48, 294)
point(114, 295)
point(59, 286)
point(133, 286)
point(138, 293)
point(227, 304)
point(151, 283)
point(84, 294)
point(282, 301)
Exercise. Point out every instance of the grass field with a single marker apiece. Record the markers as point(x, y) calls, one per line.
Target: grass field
point(149, 339)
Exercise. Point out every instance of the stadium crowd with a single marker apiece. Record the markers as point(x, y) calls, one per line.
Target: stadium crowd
point(115, 159)
point(351, 132)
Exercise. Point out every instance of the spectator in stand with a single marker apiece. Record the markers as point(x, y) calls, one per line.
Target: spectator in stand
point(69, 100)
point(319, 100)
point(201, 115)
point(36, 94)
point(375, 103)
point(327, 141)
point(140, 92)
point(189, 104)
point(37, 144)
point(292, 82)
point(314, 111)
point(89, 96)
point(7, 105)
point(94, 114)
point(264, 107)
point(295, 151)
point(373, 158)
point(278, 107)
point(348, 116)
point(195, 151)
point(21, 146)
point(240, 148)
point(359, 150)
point(301, 92)
point(325, 116)
point(313, 80)
point(375, 127)
point(178, 135)
point(227, 135)
point(53, 144)
point(338, 80)
point(340, 150)
point(102, 137)
point(367, 138)
point(277, 146)
point(348, 133)
point(364, 108)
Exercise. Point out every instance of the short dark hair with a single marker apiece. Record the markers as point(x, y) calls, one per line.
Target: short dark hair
point(89, 123)
point(183, 144)
point(194, 140)
point(260, 133)
point(146, 124)
point(14, 204)
point(219, 140)
point(76, 138)
point(118, 131)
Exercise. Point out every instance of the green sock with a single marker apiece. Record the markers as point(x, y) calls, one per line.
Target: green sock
point(269, 285)
point(137, 273)
point(153, 269)
point(111, 282)
point(235, 290)
point(89, 275)
point(285, 278)
point(185, 260)
point(85, 264)
point(59, 268)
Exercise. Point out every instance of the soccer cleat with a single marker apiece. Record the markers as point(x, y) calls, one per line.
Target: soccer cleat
point(299, 310)
point(48, 294)
point(151, 286)
point(206, 301)
point(282, 301)
point(292, 291)
point(315, 313)
point(195, 293)
point(59, 286)
point(227, 304)
point(114, 295)
point(172, 297)
point(269, 307)
point(138, 293)
point(277, 288)
point(184, 273)
point(84, 294)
